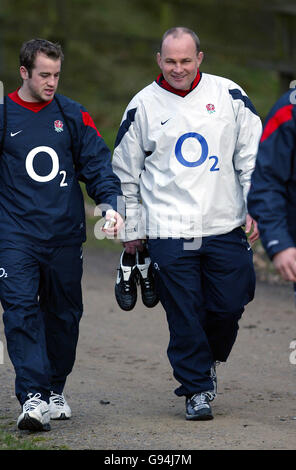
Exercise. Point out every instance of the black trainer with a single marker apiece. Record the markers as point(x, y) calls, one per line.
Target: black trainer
point(198, 407)
point(126, 282)
point(146, 279)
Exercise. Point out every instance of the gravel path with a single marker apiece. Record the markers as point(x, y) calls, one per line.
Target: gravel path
point(121, 388)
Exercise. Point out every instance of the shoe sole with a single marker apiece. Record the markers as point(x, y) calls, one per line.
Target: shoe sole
point(206, 416)
point(61, 417)
point(31, 424)
point(150, 304)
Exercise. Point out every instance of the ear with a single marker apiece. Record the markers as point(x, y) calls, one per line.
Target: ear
point(158, 59)
point(200, 57)
point(24, 72)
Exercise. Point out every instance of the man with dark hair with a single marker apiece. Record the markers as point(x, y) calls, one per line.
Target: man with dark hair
point(184, 153)
point(48, 144)
point(30, 49)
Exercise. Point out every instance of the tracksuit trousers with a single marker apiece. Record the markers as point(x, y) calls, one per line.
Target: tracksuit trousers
point(204, 292)
point(40, 292)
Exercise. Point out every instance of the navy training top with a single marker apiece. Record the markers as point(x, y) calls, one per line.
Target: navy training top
point(48, 148)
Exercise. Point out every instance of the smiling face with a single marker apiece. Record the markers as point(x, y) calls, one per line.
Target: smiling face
point(44, 79)
point(179, 60)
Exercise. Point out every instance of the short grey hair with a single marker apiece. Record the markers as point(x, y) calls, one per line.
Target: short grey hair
point(178, 31)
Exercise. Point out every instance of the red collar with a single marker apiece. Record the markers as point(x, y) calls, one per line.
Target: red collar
point(33, 106)
point(164, 84)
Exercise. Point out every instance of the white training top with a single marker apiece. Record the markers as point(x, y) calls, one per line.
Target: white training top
point(185, 163)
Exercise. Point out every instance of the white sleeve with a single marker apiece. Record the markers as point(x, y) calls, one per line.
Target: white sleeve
point(249, 130)
point(128, 163)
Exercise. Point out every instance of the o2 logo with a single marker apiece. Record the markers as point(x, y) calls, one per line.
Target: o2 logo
point(55, 166)
point(204, 151)
point(3, 273)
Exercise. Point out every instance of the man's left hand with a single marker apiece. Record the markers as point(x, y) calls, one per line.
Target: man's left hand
point(251, 225)
point(114, 223)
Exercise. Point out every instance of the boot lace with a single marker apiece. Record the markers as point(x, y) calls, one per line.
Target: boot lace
point(58, 400)
point(202, 398)
point(32, 402)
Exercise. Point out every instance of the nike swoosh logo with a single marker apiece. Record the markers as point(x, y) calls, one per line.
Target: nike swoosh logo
point(163, 122)
point(44, 412)
point(12, 134)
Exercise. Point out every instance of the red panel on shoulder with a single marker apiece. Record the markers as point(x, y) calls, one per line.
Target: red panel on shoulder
point(88, 121)
point(282, 115)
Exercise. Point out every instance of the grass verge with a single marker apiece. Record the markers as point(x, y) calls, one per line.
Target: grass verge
point(21, 441)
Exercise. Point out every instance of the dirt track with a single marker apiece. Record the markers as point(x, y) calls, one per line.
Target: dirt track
point(121, 389)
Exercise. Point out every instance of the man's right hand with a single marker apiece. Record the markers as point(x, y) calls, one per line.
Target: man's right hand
point(285, 263)
point(132, 246)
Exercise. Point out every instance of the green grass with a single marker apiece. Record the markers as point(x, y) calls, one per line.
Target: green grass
point(19, 441)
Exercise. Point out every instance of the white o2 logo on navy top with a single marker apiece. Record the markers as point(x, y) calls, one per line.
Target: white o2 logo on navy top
point(204, 151)
point(55, 166)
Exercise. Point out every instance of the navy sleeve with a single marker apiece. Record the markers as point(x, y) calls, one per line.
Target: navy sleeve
point(93, 161)
point(272, 189)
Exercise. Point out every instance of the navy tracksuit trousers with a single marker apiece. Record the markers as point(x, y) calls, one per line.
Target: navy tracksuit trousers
point(203, 292)
point(41, 297)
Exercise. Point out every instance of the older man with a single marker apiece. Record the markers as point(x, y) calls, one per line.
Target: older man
point(184, 153)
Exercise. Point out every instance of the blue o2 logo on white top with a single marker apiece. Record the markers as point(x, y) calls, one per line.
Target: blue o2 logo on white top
point(204, 151)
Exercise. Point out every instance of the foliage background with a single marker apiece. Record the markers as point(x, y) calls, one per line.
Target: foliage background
point(110, 45)
point(110, 48)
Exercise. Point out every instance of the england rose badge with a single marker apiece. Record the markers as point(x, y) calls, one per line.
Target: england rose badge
point(58, 126)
